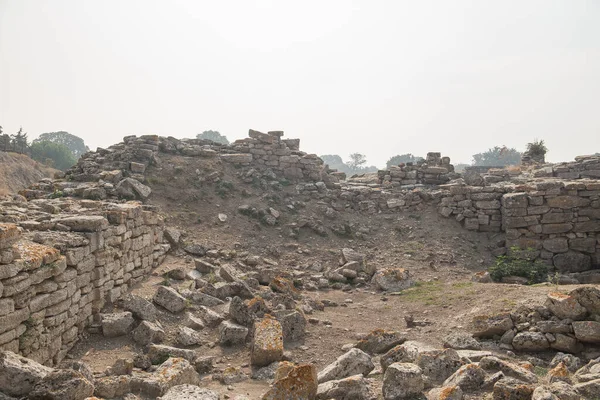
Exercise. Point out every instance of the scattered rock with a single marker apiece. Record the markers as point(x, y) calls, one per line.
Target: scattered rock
point(19, 375)
point(117, 324)
point(380, 341)
point(392, 279)
point(169, 299)
point(299, 383)
point(139, 307)
point(353, 362)
point(469, 378)
point(148, 332)
point(232, 334)
point(188, 337)
point(461, 341)
point(402, 381)
point(351, 388)
point(267, 345)
point(189, 392)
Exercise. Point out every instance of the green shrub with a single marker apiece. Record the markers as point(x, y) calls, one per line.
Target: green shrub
point(519, 262)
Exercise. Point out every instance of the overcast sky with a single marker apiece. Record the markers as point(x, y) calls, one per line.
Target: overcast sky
point(375, 77)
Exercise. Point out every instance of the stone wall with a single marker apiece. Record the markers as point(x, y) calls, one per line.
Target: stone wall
point(434, 170)
point(559, 220)
point(73, 258)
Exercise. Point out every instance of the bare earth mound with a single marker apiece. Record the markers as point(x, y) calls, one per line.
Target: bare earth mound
point(18, 171)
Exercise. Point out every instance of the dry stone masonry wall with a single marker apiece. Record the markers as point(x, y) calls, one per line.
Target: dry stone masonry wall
point(74, 257)
point(434, 170)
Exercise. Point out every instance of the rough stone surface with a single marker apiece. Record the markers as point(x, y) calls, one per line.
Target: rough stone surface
point(353, 362)
point(392, 279)
point(19, 375)
point(189, 392)
point(169, 298)
point(351, 388)
point(63, 384)
point(267, 345)
point(148, 332)
point(140, 307)
point(231, 333)
point(565, 306)
point(587, 331)
point(299, 383)
point(469, 378)
point(380, 341)
point(402, 381)
point(117, 324)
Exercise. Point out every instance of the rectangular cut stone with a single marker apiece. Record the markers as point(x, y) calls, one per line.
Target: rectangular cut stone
point(556, 228)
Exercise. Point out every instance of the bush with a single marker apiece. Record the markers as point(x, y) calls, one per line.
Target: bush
point(521, 263)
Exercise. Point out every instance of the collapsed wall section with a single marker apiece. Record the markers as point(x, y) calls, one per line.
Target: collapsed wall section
point(74, 257)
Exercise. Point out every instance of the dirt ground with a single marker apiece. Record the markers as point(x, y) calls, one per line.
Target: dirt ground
point(18, 171)
point(440, 255)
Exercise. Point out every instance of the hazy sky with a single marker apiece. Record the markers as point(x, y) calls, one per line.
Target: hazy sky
point(376, 77)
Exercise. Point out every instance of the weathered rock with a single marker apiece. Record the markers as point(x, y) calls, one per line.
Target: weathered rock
point(232, 334)
point(293, 324)
point(469, 378)
point(299, 383)
point(587, 331)
point(445, 393)
point(589, 389)
point(148, 332)
point(565, 306)
point(438, 365)
point(159, 353)
point(19, 375)
point(267, 345)
point(407, 352)
point(402, 381)
point(380, 341)
point(588, 297)
point(488, 326)
point(84, 223)
point(572, 362)
point(353, 362)
point(211, 318)
point(63, 384)
point(191, 321)
point(351, 256)
point(461, 341)
point(530, 341)
point(512, 389)
point(189, 392)
point(140, 307)
point(173, 236)
point(173, 372)
point(543, 393)
point(392, 279)
point(169, 299)
point(122, 366)
point(117, 324)
point(129, 188)
point(351, 388)
point(188, 337)
point(231, 375)
point(508, 369)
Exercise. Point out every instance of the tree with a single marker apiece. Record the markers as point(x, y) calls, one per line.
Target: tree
point(537, 150)
point(335, 162)
point(404, 158)
point(497, 157)
point(213, 136)
point(56, 155)
point(357, 160)
point(5, 142)
point(75, 144)
point(19, 141)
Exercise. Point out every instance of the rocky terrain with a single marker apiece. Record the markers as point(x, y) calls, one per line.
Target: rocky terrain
point(162, 268)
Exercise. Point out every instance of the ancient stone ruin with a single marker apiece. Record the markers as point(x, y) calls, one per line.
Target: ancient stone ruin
point(89, 258)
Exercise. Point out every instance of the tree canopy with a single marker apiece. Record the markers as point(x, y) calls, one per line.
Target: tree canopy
point(497, 157)
point(403, 158)
point(214, 136)
point(53, 154)
point(356, 165)
point(75, 144)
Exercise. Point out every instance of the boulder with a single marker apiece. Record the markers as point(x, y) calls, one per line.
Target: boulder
point(565, 306)
point(392, 279)
point(589, 389)
point(169, 299)
point(512, 389)
point(588, 297)
point(117, 324)
point(173, 372)
point(19, 375)
point(148, 332)
point(293, 324)
point(351, 388)
point(158, 353)
point(63, 384)
point(232, 334)
point(530, 341)
point(211, 318)
point(461, 341)
point(491, 325)
point(469, 378)
point(187, 337)
point(507, 368)
point(402, 381)
point(380, 341)
point(189, 392)
point(353, 362)
point(130, 188)
point(445, 393)
point(140, 307)
point(439, 365)
point(267, 344)
point(299, 383)
point(406, 352)
point(587, 331)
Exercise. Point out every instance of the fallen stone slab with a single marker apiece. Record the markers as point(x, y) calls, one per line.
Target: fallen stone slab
point(117, 324)
point(469, 378)
point(19, 375)
point(148, 332)
point(169, 299)
point(63, 384)
point(231, 334)
point(139, 307)
point(189, 392)
point(353, 362)
point(352, 388)
point(380, 341)
point(402, 381)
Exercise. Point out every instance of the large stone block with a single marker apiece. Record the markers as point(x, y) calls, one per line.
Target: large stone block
point(267, 346)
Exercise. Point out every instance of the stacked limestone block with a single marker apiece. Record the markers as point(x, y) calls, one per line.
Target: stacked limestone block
point(434, 170)
point(70, 260)
point(477, 208)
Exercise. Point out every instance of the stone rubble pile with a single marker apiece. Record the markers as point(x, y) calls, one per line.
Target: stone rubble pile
point(434, 170)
